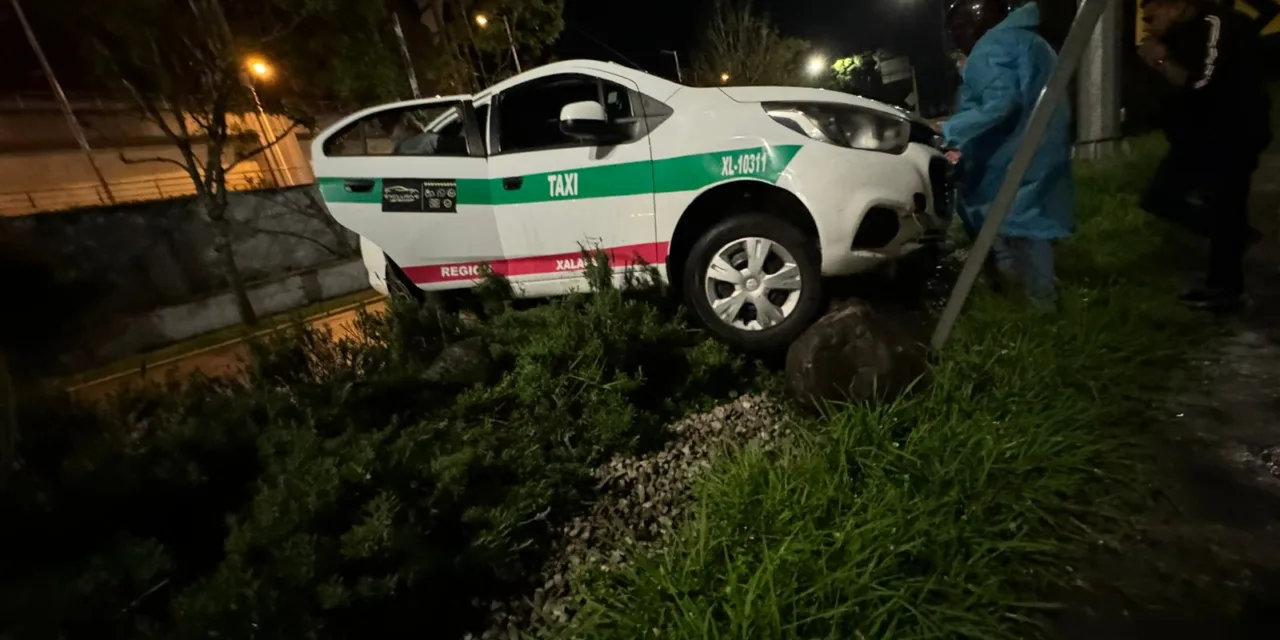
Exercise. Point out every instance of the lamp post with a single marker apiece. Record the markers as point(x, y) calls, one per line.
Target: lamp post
point(259, 69)
point(676, 55)
point(482, 21)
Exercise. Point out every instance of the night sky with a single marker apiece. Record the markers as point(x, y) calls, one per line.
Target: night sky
point(836, 27)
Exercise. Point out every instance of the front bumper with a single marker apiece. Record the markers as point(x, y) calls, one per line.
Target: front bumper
point(901, 210)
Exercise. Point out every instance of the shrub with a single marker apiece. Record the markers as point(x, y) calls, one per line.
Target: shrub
point(334, 491)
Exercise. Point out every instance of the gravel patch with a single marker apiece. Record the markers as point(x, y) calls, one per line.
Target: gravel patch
point(639, 500)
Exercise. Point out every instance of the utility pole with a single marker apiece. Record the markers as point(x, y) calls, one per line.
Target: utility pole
point(274, 157)
point(676, 55)
point(512, 39)
point(404, 53)
point(1098, 122)
point(74, 124)
point(254, 69)
point(482, 21)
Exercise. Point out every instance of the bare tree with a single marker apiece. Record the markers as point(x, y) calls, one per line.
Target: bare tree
point(746, 48)
point(186, 73)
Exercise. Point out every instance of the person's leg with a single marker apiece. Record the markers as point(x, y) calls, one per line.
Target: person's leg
point(1033, 260)
point(1173, 194)
point(1229, 239)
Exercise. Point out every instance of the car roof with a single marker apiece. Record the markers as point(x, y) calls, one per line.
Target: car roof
point(649, 84)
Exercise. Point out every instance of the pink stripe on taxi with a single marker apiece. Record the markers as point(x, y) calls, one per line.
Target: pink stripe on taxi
point(654, 253)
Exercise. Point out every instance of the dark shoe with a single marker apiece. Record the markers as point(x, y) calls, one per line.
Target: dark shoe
point(1212, 299)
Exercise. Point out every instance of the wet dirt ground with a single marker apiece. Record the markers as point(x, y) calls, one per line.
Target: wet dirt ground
point(1208, 564)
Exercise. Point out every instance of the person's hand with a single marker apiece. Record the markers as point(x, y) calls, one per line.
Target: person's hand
point(953, 156)
point(1152, 52)
point(936, 126)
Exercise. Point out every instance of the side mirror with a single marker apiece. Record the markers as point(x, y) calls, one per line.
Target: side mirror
point(588, 122)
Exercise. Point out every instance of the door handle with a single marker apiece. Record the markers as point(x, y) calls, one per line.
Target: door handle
point(359, 186)
point(513, 183)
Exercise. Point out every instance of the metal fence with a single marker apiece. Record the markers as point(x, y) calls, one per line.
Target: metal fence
point(172, 185)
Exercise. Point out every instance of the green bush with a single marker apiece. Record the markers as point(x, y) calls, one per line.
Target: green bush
point(335, 491)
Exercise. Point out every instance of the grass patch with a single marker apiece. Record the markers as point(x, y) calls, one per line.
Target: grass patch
point(949, 514)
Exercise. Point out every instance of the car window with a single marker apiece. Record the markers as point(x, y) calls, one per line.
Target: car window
point(529, 114)
point(423, 130)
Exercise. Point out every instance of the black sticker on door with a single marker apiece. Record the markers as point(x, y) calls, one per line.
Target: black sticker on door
point(414, 194)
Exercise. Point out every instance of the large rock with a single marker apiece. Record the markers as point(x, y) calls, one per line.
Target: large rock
point(854, 354)
point(462, 363)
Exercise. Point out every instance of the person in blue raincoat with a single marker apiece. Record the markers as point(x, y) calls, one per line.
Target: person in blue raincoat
point(1007, 64)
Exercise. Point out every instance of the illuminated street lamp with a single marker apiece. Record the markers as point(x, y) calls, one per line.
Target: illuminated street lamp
point(817, 64)
point(724, 77)
point(259, 69)
point(482, 21)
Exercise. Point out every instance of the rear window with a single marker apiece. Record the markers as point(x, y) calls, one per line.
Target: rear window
point(421, 130)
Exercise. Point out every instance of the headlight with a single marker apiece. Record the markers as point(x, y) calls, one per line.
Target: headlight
point(844, 125)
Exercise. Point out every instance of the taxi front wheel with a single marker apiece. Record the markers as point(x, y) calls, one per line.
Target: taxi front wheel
point(754, 281)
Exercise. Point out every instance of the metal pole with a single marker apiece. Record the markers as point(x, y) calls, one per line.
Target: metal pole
point(1098, 124)
point(676, 55)
point(510, 38)
point(74, 124)
point(404, 53)
point(1050, 98)
point(915, 90)
point(277, 170)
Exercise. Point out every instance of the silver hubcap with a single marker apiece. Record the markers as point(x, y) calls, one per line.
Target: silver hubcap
point(753, 283)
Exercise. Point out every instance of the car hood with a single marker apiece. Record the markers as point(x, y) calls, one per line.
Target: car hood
point(806, 94)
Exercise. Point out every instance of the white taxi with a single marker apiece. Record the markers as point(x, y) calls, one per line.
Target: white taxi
point(744, 198)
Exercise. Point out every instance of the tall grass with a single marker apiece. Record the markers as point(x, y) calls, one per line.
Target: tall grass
point(950, 513)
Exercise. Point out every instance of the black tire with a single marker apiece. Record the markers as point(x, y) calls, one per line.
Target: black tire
point(802, 248)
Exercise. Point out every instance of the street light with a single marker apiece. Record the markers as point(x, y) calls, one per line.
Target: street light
point(724, 77)
point(482, 21)
point(259, 69)
point(816, 65)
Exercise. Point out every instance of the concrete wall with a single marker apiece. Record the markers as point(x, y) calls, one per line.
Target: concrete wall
point(150, 330)
point(148, 255)
point(42, 168)
point(154, 277)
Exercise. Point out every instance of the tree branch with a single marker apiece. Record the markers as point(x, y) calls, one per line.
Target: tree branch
point(293, 234)
point(245, 155)
point(128, 160)
point(286, 29)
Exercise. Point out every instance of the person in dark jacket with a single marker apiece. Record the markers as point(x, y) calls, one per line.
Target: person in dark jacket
point(1007, 65)
point(1217, 121)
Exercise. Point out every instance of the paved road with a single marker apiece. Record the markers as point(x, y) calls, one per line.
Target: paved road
point(221, 359)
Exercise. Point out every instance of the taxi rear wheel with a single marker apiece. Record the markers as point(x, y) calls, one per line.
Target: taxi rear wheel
point(754, 281)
